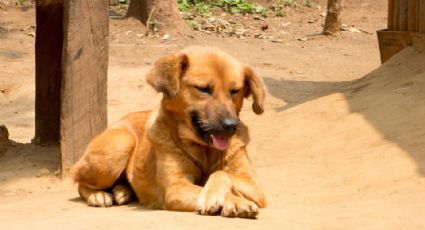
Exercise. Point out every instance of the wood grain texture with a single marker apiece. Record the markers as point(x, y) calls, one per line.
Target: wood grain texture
point(411, 15)
point(403, 15)
point(417, 16)
point(421, 18)
point(84, 85)
point(390, 15)
point(48, 53)
point(396, 15)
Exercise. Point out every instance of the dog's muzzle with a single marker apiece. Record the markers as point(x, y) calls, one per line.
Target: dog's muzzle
point(217, 134)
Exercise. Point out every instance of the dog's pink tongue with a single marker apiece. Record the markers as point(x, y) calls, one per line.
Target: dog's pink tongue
point(220, 142)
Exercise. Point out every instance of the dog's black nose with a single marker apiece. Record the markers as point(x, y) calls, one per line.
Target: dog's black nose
point(229, 123)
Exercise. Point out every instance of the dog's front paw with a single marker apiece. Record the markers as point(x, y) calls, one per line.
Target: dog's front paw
point(239, 207)
point(210, 201)
point(100, 199)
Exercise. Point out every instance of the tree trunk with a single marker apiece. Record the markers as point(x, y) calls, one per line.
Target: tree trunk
point(48, 57)
point(333, 17)
point(162, 15)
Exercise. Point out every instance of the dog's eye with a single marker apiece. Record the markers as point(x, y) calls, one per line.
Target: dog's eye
point(234, 92)
point(206, 90)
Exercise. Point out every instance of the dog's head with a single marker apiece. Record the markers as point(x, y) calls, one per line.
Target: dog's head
point(204, 90)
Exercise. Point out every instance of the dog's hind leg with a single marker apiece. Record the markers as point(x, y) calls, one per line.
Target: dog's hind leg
point(122, 194)
point(102, 165)
point(94, 197)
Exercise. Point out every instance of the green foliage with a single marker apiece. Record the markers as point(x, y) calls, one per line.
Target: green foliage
point(205, 7)
point(202, 8)
point(232, 6)
point(195, 5)
point(238, 6)
point(308, 3)
point(286, 2)
point(21, 2)
point(183, 5)
point(279, 13)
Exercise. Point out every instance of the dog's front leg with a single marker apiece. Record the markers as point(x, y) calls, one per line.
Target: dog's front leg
point(182, 196)
point(212, 197)
point(177, 176)
point(244, 179)
point(217, 197)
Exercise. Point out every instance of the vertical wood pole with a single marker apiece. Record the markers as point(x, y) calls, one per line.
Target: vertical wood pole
point(421, 18)
point(396, 15)
point(390, 18)
point(84, 83)
point(404, 6)
point(411, 16)
point(48, 53)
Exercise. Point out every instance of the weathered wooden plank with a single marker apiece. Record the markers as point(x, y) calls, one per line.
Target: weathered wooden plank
point(403, 16)
point(84, 66)
point(396, 15)
point(391, 42)
point(390, 18)
point(48, 53)
point(421, 18)
point(411, 16)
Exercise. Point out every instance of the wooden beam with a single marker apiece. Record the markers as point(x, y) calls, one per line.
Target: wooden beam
point(390, 18)
point(403, 16)
point(421, 18)
point(84, 83)
point(418, 5)
point(48, 53)
point(396, 15)
point(411, 15)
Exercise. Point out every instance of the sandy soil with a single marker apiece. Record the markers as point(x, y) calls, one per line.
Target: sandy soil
point(339, 147)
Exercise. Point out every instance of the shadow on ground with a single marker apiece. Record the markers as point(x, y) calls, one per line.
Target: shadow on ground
point(391, 98)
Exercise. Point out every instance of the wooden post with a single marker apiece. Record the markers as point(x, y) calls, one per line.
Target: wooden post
point(84, 79)
point(396, 15)
point(403, 8)
point(411, 16)
point(48, 53)
point(418, 15)
point(421, 17)
point(390, 15)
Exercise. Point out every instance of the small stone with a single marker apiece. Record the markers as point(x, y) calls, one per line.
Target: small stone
point(165, 37)
point(323, 14)
point(42, 172)
point(277, 40)
point(148, 61)
point(257, 17)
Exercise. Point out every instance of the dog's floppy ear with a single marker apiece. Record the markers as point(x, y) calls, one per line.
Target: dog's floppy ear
point(165, 76)
point(254, 86)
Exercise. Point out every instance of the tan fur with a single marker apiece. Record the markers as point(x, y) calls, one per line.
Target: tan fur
point(159, 152)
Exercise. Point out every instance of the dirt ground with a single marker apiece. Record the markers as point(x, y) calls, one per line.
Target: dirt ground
point(340, 145)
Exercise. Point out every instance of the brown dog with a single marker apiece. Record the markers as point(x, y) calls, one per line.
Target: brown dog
point(187, 154)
